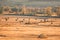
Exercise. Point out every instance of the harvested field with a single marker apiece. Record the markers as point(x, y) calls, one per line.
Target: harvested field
point(41, 31)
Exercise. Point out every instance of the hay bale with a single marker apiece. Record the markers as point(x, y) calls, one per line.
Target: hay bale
point(42, 36)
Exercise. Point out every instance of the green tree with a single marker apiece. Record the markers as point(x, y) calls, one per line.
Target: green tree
point(14, 9)
point(6, 9)
point(1, 10)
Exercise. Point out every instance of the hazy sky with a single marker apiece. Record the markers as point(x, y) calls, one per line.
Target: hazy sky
point(34, 0)
point(35, 3)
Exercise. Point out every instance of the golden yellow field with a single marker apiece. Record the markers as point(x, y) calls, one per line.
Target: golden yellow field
point(17, 31)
